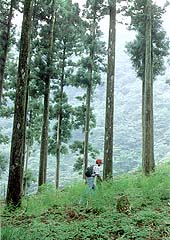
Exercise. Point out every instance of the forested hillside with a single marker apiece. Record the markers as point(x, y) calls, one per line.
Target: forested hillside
point(128, 139)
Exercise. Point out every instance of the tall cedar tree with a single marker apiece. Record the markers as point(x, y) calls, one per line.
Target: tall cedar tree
point(67, 41)
point(148, 142)
point(160, 43)
point(136, 49)
point(46, 78)
point(62, 130)
point(93, 13)
point(42, 13)
point(108, 142)
point(32, 120)
point(14, 190)
point(34, 114)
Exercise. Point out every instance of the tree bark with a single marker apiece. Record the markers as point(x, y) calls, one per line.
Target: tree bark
point(58, 144)
point(109, 118)
point(25, 122)
point(14, 190)
point(58, 148)
point(26, 168)
point(87, 122)
point(44, 134)
point(148, 141)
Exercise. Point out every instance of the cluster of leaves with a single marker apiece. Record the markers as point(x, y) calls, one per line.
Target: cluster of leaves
point(93, 12)
point(78, 148)
point(29, 177)
point(3, 161)
point(160, 43)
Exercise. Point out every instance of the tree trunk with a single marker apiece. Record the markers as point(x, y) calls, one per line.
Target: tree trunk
point(58, 148)
point(26, 168)
point(148, 142)
point(58, 145)
point(5, 36)
point(143, 125)
point(25, 122)
point(44, 134)
point(14, 191)
point(27, 146)
point(87, 122)
point(88, 94)
point(27, 100)
point(108, 142)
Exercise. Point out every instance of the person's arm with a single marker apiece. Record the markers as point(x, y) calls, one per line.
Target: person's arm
point(99, 177)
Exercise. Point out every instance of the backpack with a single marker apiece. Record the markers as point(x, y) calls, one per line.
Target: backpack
point(89, 171)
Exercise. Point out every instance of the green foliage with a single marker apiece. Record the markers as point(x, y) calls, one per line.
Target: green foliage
point(3, 161)
point(79, 122)
point(5, 13)
point(66, 123)
point(34, 120)
point(66, 46)
point(7, 109)
point(77, 213)
point(79, 113)
point(10, 75)
point(3, 164)
point(68, 32)
point(93, 49)
point(40, 47)
point(3, 139)
point(160, 43)
point(29, 177)
point(78, 148)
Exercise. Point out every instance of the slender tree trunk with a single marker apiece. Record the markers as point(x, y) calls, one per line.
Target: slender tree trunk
point(24, 164)
point(27, 96)
point(27, 145)
point(58, 148)
point(108, 142)
point(58, 145)
point(44, 134)
point(143, 125)
point(26, 168)
point(25, 122)
point(14, 191)
point(87, 122)
point(88, 95)
point(4, 185)
point(148, 142)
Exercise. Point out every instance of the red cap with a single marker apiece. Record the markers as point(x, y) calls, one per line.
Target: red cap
point(98, 161)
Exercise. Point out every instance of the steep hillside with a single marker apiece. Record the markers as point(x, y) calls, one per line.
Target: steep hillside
point(128, 207)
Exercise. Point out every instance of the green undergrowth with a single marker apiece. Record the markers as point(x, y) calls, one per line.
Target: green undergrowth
point(77, 213)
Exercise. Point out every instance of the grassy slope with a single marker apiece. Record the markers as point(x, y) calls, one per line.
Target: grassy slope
point(77, 214)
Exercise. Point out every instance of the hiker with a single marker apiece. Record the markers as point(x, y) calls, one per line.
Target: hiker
point(93, 172)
